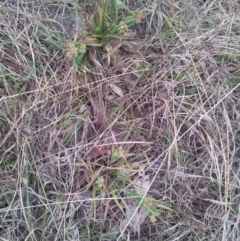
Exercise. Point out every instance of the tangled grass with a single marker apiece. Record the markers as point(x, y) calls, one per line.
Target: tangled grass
point(119, 120)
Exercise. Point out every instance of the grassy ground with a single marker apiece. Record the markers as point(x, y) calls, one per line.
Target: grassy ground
point(119, 120)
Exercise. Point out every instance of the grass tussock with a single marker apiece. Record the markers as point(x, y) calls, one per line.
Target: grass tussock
point(119, 120)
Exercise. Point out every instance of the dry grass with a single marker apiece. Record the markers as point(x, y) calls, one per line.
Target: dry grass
point(123, 127)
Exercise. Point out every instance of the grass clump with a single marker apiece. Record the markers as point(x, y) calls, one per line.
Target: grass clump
point(119, 120)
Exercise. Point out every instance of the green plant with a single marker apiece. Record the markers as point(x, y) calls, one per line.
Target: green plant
point(107, 24)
